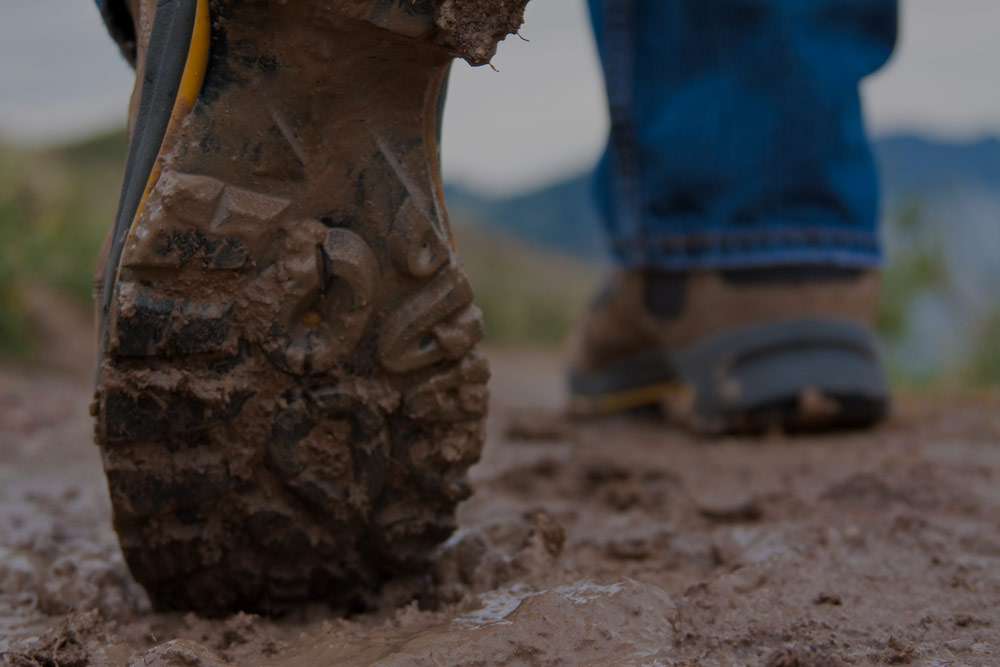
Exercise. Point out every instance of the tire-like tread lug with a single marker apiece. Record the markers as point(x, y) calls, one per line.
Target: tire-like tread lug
point(130, 417)
point(149, 325)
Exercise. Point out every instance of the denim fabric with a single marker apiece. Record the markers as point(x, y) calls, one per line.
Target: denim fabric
point(736, 131)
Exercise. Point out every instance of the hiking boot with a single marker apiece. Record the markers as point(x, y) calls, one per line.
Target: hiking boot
point(734, 351)
point(289, 395)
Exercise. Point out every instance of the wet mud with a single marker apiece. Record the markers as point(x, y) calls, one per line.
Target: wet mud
point(622, 542)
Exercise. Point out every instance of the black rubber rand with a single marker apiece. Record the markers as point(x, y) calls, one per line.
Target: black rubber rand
point(166, 58)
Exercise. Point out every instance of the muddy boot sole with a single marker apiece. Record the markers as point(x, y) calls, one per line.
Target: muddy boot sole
point(801, 375)
point(289, 394)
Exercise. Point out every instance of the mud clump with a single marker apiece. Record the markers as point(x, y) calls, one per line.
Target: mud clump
point(475, 28)
point(471, 29)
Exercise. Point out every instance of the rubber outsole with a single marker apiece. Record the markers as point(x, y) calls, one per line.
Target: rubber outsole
point(290, 396)
point(795, 375)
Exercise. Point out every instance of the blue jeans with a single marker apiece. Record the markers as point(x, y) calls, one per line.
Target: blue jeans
point(736, 131)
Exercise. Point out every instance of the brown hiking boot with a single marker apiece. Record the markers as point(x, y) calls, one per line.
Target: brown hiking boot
point(289, 394)
point(740, 350)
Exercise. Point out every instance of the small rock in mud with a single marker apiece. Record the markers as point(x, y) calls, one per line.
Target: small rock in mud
point(630, 548)
point(179, 653)
point(741, 512)
point(802, 657)
point(547, 534)
point(828, 598)
point(897, 652)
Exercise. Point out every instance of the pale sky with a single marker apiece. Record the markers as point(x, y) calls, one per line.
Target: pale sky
point(540, 117)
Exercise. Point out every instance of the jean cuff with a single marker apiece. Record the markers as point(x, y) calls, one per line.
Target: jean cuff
point(764, 246)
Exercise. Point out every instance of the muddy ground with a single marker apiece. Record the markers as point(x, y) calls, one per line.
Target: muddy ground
point(609, 543)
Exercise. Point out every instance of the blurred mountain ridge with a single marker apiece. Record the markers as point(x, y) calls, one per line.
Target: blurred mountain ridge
point(535, 258)
point(561, 215)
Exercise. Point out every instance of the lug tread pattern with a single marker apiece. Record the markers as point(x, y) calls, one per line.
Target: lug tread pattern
point(377, 415)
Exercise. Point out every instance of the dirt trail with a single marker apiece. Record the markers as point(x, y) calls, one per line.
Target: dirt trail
point(611, 543)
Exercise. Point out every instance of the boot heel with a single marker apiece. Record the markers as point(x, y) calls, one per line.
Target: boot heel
point(800, 374)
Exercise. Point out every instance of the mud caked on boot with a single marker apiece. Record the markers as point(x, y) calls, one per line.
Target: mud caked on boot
point(289, 395)
point(734, 351)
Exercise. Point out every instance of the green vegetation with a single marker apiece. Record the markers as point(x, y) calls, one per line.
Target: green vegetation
point(527, 295)
point(55, 207)
point(983, 366)
point(917, 267)
point(911, 273)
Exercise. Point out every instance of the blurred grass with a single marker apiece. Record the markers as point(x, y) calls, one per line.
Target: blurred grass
point(911, 273)
point(983, 366)
point(55, 206)
point(917, 266)
point(528, 296)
